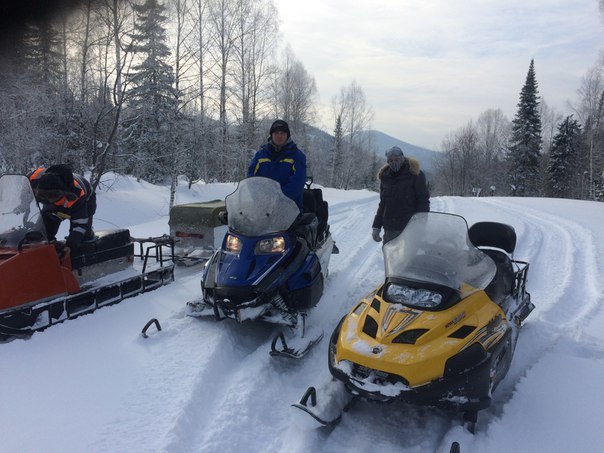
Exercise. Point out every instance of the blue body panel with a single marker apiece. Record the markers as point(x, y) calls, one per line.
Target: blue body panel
point(247, 269)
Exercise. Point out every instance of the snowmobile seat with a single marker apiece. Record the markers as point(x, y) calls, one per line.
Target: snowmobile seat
point(497, 240)
point(306, 227)
point(313, 202)
point(110, 244)
point(309, 202)
point(493, 234)
point(503, 282)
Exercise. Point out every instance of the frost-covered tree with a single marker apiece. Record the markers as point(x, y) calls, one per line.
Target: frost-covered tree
point(524, 157)
point(590, 111)
point(354, 162)
point(562, 167)
point(152, 99)
point(32, 106)
point(459, 169)
point(493, 134)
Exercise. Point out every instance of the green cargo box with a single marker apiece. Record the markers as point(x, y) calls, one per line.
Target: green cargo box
point(205, 213)
point(197, 230)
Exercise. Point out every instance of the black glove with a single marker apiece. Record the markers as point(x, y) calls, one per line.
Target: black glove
point(375, 234)
point(223, 216)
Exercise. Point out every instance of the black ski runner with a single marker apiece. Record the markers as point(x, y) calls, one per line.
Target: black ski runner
point(328, 409)
point(296, 347)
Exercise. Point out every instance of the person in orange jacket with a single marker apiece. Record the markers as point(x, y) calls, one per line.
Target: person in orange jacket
point(65, 195)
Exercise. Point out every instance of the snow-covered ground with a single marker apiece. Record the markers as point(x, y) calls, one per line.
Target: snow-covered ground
point(93, 384)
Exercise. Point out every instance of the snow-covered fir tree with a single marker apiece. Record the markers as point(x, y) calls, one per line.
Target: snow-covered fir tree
point(524, 158)
point(562, 167)
point(152, 100)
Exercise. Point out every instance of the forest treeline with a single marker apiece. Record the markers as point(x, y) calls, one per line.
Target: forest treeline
point(189, 87)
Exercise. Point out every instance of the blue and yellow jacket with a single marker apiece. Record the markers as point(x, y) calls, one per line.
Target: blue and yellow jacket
point(286, 166)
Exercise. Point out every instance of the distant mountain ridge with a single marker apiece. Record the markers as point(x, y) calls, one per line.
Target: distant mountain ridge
point(381, 142)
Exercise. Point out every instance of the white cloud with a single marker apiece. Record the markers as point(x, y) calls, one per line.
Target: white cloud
point(427, 68)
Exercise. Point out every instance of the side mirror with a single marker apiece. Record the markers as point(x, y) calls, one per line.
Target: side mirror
point(30, 236)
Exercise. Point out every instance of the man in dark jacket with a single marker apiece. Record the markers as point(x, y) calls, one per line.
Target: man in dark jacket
point(403, 192)
point(281, 160)
point(65, 195)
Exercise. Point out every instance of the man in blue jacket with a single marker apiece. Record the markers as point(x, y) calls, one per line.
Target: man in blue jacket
point(281, 160)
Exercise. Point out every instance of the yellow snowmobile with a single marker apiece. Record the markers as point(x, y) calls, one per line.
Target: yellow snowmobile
point(442, 328)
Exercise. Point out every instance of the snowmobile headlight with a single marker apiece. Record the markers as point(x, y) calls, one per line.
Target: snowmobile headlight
point(269, 246)
point(233, 244)
point(413, 297)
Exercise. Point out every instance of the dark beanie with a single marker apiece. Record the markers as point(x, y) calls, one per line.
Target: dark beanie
point(280, 126)
point(56, 177)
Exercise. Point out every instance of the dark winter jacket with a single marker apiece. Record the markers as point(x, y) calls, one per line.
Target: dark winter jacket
point(402, 194)
point(79, 209)
point(286, 166)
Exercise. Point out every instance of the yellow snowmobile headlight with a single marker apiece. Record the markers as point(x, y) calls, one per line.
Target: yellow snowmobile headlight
point(413, 297)
point(270, 246)
point(233, 244)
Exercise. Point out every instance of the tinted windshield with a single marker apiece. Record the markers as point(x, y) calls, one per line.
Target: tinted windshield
point(435, 248)
point(259, 207)
point(19, 212)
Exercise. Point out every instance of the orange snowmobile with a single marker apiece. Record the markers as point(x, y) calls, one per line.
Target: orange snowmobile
point(41, 286)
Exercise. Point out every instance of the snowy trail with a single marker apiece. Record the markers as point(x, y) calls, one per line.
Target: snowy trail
point(204, 386)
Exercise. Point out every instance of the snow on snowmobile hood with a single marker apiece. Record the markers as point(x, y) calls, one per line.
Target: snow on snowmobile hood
point(259, 207)
point(19, 212)
point(434, 247)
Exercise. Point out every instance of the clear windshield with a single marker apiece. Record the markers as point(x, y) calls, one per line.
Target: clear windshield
point(435, 248)
point(259, 207)
point(19, 212)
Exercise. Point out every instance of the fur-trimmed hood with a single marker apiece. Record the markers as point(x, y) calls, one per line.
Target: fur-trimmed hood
point(411, 163)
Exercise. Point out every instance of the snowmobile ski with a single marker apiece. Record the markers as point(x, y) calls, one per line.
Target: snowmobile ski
point(296, 347)
point(327, 411)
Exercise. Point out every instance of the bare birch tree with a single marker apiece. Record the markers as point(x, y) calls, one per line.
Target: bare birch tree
point(353, 161)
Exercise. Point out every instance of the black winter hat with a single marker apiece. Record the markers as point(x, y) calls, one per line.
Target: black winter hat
point(56, 177)
point(280, 126)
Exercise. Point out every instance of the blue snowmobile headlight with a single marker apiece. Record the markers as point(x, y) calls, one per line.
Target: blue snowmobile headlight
point(233, 244)
point(270, 246)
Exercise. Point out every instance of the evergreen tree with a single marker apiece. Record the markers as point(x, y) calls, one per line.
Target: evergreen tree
point(337, 151)
point(152, 100)
point(562, 171)
point(524, 156)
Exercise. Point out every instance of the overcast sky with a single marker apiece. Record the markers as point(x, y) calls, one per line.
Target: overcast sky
point(429, 67)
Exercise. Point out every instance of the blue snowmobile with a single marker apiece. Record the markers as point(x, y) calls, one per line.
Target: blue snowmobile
point(272, 263)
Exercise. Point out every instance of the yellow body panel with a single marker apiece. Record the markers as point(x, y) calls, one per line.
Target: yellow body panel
point(424, 361)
